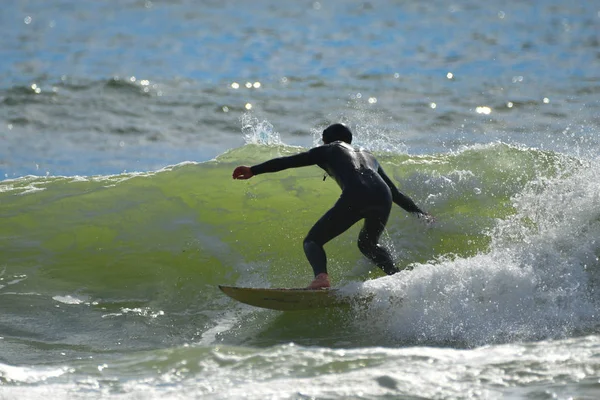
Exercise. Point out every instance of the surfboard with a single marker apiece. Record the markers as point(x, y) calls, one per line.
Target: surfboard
point(283, 299)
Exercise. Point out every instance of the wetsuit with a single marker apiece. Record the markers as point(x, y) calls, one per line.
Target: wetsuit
point(367, 193)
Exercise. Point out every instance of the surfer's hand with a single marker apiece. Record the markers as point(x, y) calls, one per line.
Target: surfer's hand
point(428, 218)
point(242, 172)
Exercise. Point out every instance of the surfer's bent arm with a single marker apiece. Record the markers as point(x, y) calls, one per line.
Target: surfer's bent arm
point(400, 199)
point(279, 164)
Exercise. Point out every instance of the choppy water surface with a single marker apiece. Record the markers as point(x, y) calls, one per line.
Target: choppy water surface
point(139, 85)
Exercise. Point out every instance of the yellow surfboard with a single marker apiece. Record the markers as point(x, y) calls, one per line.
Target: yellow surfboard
point(287, 299)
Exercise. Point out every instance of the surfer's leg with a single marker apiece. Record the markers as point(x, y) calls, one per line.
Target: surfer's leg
point(335, 221)
point(368, 241)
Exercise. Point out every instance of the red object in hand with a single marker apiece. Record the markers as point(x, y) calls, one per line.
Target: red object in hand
point(242, 172)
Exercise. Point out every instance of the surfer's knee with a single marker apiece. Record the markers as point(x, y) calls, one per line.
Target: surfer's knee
point(308, 243)
point(366, 247)
point(312, 249)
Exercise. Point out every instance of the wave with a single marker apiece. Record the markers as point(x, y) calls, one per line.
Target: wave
point(513, 253)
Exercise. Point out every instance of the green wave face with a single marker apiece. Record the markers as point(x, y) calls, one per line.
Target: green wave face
point(148, 250)
point(192, 223)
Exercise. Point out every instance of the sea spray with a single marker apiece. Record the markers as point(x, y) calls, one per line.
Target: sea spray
point(536, 279)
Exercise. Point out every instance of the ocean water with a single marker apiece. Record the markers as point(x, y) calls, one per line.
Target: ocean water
point(120, 125)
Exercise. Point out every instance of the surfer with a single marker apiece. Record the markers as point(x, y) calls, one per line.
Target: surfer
point(367, 193)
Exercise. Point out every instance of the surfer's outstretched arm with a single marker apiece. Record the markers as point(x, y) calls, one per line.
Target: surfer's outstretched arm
point(277, 164)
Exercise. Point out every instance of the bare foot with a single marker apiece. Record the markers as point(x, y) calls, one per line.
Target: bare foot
point(321, 281)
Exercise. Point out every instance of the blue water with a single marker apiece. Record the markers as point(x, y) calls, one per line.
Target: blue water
point(120, 124)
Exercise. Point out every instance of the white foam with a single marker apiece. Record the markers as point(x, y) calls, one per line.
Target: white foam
point(69, 299)
point(536, 280)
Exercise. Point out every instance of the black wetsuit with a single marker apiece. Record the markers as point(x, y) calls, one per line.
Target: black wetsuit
point(367, 193)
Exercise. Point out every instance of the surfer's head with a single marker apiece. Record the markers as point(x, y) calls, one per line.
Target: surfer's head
point(337, 132)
